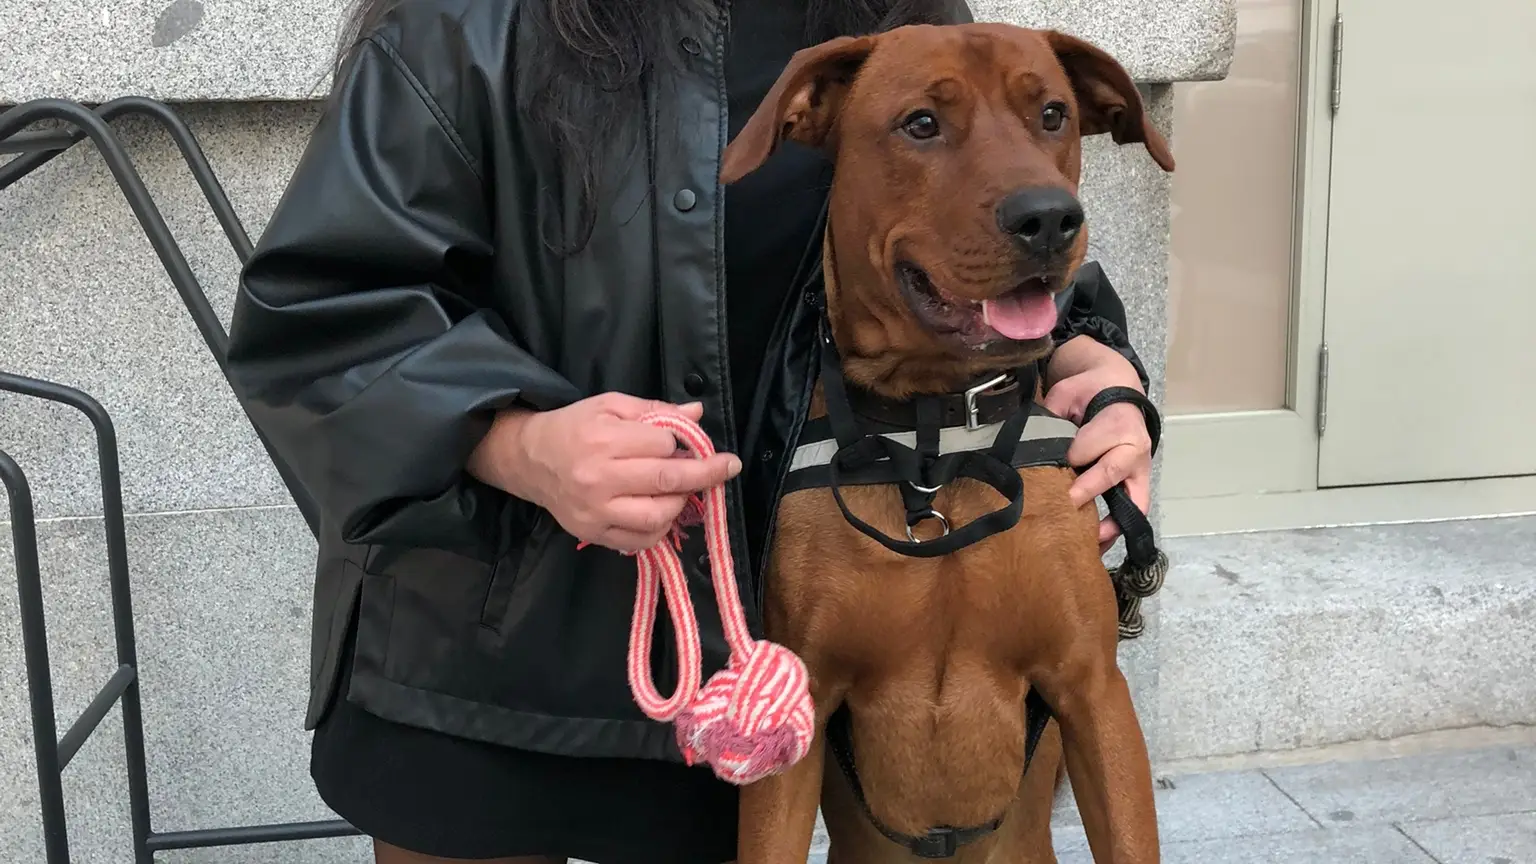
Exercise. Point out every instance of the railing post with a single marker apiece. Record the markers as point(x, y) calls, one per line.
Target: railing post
point(54, 753)
point(34, 646)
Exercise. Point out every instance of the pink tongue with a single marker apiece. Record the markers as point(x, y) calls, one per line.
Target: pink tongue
point(1022, 315)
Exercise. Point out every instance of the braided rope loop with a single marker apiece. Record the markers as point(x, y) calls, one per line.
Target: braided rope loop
point(753, 718)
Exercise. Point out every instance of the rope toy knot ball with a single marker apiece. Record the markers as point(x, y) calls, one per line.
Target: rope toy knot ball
point(755, 717)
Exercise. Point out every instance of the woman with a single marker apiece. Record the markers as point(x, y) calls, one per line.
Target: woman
point(504, 243)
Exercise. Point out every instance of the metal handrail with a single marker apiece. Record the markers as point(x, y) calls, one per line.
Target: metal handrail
point(93, 125)
point(40, 148)
point(54, 753)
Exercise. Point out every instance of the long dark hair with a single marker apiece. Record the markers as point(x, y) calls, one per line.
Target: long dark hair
point(581, 76)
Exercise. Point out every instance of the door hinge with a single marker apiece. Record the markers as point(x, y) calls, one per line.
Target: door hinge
point(1338, 62)
point(1322, 390)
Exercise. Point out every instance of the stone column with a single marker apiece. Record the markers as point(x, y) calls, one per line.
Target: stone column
point(1126, 195)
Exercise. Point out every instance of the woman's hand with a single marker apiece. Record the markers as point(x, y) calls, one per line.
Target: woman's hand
point(607, 478)
point(1117, 437)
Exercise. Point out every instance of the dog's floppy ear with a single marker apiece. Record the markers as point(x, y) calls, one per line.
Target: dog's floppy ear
point(802, 105)
point(1107, 99)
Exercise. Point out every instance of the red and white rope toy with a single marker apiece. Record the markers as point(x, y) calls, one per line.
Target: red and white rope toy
point(753, 718)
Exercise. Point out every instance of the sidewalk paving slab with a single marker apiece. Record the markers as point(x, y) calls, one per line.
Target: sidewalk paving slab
point(1445, 785)
point(1462, 806)
point(1376, 844)
point(1504, 839)
point(1205, 807)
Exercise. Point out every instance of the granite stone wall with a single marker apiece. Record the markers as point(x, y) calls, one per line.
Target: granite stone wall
point(221, 560)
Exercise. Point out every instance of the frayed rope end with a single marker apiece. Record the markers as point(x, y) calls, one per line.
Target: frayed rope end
point(753, 719)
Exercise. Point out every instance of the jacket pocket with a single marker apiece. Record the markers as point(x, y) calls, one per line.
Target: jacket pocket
point(337, 585)
point(512, 570)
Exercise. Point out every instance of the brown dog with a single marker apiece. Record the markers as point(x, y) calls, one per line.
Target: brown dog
point(953, 222)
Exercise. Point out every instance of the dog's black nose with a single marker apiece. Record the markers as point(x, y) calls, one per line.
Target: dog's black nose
point(1045, 219)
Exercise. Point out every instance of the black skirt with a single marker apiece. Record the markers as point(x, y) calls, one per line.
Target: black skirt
point(438, 795)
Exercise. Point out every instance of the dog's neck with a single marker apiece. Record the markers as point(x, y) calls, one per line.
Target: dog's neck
point(875, 361)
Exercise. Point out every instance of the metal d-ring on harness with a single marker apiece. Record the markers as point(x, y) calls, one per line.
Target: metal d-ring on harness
point(999, 383)
point(923, 469)
point(920, 471)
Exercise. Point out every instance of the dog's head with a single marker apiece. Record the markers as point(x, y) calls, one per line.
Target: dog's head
point(954, 215)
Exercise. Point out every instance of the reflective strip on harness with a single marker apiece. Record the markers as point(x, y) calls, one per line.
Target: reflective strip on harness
point(1044, 442)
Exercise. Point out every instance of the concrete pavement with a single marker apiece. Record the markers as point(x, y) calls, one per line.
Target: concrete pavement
point(1451, 806)
point(1454, 798)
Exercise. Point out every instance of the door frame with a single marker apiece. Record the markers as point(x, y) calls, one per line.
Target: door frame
point(1214, 454)
point(1258, 470)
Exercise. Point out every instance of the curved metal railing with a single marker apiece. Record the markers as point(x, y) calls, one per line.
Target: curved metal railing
point(94, 125)
point(54, 753)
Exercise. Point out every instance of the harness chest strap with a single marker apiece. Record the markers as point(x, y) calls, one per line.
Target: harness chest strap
point(913, 454)
point(923, 469)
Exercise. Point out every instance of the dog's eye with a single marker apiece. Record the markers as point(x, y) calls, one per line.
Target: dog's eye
point(921, 125)
point(1053, 117)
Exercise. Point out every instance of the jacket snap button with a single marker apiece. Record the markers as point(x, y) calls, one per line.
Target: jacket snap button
point(694, 383)
point(704, 562)
point(691, 45)
point(684, 200)
point(766, 455)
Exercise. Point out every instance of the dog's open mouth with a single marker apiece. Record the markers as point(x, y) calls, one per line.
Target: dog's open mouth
point(1025, 313)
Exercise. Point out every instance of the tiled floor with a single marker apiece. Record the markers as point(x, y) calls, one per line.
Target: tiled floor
point(1457, 807)
point(1449, 807)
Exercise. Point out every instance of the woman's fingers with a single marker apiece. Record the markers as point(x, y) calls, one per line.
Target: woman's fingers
point(1112, 468)
point(1118, 450)
point(673, 476)
point(1118, 447)
point(627, 407)
point(644, 515)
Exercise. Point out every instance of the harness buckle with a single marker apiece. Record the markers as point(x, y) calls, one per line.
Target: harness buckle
point(937, 843)
point(972, 412)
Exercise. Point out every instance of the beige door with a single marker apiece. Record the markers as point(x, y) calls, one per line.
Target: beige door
point(1430, 333)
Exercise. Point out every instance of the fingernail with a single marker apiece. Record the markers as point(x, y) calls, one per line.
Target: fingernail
point(735, 466)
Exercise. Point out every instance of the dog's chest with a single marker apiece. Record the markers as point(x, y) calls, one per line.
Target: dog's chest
point(834, 592)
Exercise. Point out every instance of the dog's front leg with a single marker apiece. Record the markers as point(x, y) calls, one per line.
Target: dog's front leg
point(778, 813)
point(1106, 759)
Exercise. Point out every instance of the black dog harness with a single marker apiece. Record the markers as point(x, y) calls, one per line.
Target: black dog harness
point(986, 433)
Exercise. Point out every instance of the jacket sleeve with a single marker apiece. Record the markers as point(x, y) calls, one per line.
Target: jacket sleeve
point(361, 344)
point(1094, 309)
point(956, 12)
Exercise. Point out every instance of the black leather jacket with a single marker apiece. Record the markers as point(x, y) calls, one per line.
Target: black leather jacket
point(401, 294)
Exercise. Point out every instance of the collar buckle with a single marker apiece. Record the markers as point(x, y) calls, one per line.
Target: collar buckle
point(972, 410)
